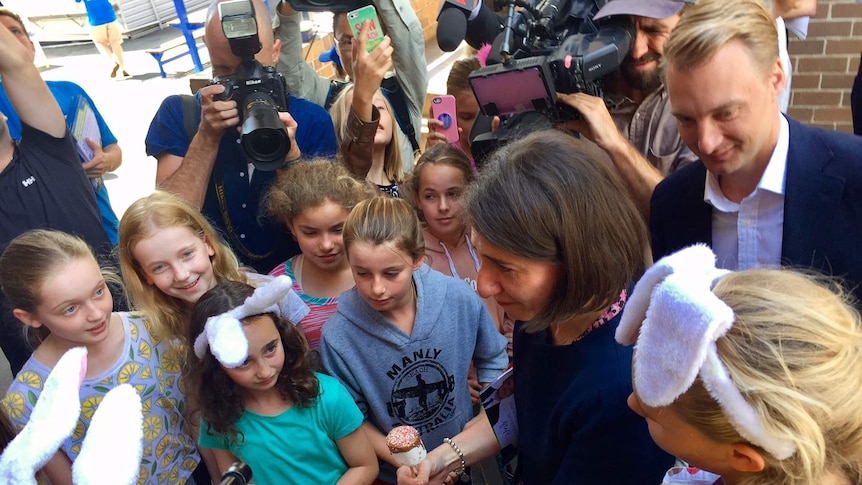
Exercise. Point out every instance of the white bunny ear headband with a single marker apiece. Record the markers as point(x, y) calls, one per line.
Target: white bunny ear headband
point(223, 333)
point(679, 320)
point(116, 425)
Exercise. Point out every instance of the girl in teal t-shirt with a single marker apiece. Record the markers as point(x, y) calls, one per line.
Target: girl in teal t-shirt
point(267, 407)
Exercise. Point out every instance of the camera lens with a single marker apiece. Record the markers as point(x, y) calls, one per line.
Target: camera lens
point(264, 137)
point(266, 141)
point(237, 474)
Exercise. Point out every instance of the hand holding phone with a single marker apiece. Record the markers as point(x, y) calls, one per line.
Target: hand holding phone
point(373, 33)
point(443, 110)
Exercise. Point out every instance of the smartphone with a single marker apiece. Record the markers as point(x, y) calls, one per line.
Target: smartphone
point(443, 110)
point(360, 16)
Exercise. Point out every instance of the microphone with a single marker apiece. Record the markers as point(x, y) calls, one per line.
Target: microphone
point(466, 19)
point(451, 25)
point(484, 28)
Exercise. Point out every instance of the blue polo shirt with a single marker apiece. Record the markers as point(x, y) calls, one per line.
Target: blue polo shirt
point(67, 94)
point(234, 197)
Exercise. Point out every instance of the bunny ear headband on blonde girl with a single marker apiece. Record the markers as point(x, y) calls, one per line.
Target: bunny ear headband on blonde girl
point(115, 431)
point(679, 320)
point(223, 333)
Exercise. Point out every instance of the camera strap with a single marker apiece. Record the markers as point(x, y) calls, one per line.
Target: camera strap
point(191, 115)
point(235, 243)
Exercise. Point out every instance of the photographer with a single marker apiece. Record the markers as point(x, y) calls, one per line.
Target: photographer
point(405, 91)
point(638, 132)
point(209, 168)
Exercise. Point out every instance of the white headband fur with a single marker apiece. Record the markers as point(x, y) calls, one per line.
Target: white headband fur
point(223, 333)
point(679, 320)
point(115, 431)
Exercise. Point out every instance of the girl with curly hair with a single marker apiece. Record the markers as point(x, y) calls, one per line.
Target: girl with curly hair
point(268, 407)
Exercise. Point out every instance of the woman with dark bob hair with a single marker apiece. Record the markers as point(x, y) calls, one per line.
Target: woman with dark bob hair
point(560, 244)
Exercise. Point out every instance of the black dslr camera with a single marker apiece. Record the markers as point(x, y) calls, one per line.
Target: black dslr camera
point(260, 91)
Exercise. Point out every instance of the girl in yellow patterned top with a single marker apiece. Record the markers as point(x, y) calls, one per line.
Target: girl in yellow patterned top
point(57, 290)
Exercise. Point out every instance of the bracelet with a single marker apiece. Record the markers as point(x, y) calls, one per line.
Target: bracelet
point(463, 465)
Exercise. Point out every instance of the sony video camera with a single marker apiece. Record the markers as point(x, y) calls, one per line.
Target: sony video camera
point(554, 46)
point(259, 91)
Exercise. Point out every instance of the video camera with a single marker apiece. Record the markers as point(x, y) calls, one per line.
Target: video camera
point(260, 91)
point(554, 46)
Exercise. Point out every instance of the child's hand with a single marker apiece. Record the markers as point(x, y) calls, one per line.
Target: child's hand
point(99, 164)
point(369, 67)
point(434, 137)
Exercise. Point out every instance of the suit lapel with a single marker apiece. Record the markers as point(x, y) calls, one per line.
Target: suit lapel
point(811, 197)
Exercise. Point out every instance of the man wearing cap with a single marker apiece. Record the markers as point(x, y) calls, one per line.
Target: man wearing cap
point(200, 157)
point(767, 191)
point(636, 127)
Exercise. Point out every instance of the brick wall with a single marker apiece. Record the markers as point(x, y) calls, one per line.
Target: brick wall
point(825, 64)
point(426, 10)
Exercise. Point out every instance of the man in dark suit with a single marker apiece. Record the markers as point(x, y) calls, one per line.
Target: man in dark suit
point(767, 190)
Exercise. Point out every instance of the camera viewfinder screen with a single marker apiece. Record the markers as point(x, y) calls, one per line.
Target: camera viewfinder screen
point(512, 91)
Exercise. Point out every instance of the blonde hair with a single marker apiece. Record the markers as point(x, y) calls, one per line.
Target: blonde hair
point(141, 220)
point(380, 220)
point(458, 80)
point(33, 257)
point(708, 25)
point(308, 185)
point(392, 165)
point(795, 353)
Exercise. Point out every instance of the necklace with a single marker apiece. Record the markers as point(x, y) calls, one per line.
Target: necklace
point(559, 334)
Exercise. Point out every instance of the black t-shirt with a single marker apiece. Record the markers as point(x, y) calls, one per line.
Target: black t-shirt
point(44, 187)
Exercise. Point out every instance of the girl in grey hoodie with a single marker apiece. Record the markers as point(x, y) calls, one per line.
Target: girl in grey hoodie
point(403, 339)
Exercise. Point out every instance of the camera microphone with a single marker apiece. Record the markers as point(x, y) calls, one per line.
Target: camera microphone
point(468, 20)
point(237, 474)
point(451, 27)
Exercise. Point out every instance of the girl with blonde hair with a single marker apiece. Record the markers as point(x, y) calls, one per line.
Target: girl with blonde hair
point(54, 284)
point(755, 376)
point(365, 125)
point(170, 255)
